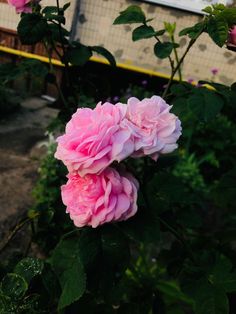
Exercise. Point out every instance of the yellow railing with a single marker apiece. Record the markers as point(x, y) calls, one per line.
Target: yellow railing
point(56, 62)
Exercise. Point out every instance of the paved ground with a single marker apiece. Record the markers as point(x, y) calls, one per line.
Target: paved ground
point(21, 136)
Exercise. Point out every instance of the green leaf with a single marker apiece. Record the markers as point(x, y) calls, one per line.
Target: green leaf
point(222, 274)
point(50, 10)
point(66, 6)
point(54, 17)
point(194, 31)
point(229, 15)
point(171, 289)
point(205, 104)
point(105, 53)
point(211, 300)
point(181, 89)
point(207, 10)
point(69, 270)
point(6, 305)
point(133, 14)
point(218, 30)
point(163, 50)
point(143, 32)
point(160, 32)
point(74, 284)
point(29, 267)
point(32, 28)
point(14, 286)
point(56, 34)
point(79, 54)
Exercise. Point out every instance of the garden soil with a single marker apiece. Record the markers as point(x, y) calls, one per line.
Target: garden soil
point(22, 145)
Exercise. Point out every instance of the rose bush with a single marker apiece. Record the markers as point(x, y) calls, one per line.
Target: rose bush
point(177, 252)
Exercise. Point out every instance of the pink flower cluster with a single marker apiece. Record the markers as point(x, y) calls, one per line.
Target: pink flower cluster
point(23, 6)
point(96, 193)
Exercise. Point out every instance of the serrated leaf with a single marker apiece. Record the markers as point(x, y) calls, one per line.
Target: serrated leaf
point(194, 31)
point(229, 15)
point(218, 30)
point(163, 50)
point(133, 14)
point(32, 28)
point(205, 104)
point(105, 53)
point(207, 9)
point(143, 32)
point(14, 286)
point(29, 267)
point(67, 265)
point(74, 284)
point(79, 54)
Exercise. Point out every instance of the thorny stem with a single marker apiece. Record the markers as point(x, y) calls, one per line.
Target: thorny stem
point(191, 43)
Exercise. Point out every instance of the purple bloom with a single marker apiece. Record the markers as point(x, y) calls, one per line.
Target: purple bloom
point(214, 71)
point(144, 82)
point(190, 80)
point(116, 98)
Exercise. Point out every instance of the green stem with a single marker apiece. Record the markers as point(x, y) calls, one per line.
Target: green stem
point(191, 43)
point(49, 52)
point(176, 57)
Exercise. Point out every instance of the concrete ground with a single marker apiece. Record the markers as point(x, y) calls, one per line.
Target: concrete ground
point(21, 135)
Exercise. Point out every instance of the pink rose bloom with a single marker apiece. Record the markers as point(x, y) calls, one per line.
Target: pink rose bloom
point(93, 200)
point(155, 129)
point(232, 36)
point(21, 5)
point(95, 138)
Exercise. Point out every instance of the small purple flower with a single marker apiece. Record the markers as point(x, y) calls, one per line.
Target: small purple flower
point(144, 82)
point(116, 98)
point(199, 85)
point(214, 71)
point(190, 80)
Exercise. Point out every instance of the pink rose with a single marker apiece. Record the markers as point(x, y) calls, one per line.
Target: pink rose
point(93, 200)
point(95, 138)
point(155, 129)
point(21, 5)
point(232, 36)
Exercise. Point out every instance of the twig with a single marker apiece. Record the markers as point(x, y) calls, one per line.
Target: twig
point(191, 43)
point(17, 227)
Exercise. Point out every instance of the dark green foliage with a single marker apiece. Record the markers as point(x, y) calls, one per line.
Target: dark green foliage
point(143, 32)
point(163, 50)
point(133, 14)
point(32, 28)
point(105, 53)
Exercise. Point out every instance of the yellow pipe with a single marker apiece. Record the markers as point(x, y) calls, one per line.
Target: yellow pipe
point(94, 59)
point(29, 55)
point(134, 68)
